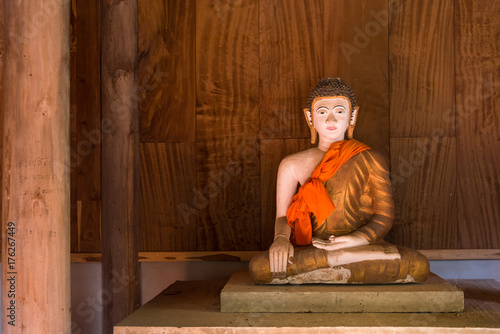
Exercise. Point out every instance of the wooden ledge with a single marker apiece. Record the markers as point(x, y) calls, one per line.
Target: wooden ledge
point(432, 254)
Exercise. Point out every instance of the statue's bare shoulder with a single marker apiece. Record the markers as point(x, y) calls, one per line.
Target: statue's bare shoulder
point(293, 170)
point(300, 165)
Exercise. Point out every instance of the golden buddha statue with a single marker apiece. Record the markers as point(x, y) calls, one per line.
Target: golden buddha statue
point(332, 229)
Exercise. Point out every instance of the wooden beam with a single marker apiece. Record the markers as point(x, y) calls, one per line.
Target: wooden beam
point(120, 160)
point(432, 254)
point(36, 193)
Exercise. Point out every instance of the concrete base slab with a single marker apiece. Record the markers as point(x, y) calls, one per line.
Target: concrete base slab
point(194, 307)
point(435, 295)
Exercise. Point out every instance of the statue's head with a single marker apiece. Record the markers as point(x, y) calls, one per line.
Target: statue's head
point(329, 89)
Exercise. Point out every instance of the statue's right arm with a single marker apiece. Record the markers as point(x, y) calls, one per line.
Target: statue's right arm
point(281, 251)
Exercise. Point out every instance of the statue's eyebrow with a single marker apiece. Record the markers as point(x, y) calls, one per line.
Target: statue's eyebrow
point(338, 105)
point(322, 107)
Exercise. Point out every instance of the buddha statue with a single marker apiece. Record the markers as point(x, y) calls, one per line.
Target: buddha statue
point(331, 230)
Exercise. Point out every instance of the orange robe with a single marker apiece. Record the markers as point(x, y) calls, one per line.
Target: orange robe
point(312, 196)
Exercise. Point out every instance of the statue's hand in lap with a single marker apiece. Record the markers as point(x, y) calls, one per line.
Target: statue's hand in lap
point(336, 243)
point(280, 254)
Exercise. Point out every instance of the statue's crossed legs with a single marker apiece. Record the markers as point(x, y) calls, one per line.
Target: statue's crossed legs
point(369, 264)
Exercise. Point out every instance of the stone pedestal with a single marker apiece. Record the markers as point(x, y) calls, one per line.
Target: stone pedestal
point(435, 295)
point(194, 307)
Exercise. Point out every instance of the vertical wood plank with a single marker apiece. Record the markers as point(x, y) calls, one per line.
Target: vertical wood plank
point(271, 154)
point(36, 190)
point(422, 73)
point(120, 161)
point(291, 61)
point(166, 86)
point(424, 182)
point(168, 207)
point(356, 50)
point(89, 226)
point(87, 151)
point(75, 236)
point(2, 68)
point(478, 122)
point(227, 78)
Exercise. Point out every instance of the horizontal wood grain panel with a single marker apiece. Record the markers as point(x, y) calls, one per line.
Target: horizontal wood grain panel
point(423, 175)
point(166, 74)
point(291, 63)
point(168, 212)
point(421, 58)
point(356, 50)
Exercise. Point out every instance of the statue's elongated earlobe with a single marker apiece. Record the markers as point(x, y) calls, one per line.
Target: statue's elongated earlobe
point(352, 122)
point(309, 120)
point(308, 116)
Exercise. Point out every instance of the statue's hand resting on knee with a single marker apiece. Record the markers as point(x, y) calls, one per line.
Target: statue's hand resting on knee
point(280, 254)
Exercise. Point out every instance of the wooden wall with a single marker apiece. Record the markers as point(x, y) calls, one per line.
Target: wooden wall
point(423, 137)
point(477, 120)
point(445, 123)
point(222, 85)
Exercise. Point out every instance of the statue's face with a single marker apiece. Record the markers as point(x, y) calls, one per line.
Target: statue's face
point(331, 117)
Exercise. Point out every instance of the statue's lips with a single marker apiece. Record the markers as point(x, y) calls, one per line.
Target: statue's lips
point(331, 128)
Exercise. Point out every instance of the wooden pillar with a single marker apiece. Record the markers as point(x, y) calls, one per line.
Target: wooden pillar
point(120, 160)
point(36, 186)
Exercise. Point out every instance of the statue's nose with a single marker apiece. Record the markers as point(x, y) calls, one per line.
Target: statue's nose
point(331, 118)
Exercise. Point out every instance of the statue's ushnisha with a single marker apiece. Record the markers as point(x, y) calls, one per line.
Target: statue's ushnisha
point(332, 229)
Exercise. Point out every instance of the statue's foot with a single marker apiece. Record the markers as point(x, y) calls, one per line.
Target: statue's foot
point(312, 265)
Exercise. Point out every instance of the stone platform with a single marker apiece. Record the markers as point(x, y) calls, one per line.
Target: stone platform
point(435, 295)
point(194, 307)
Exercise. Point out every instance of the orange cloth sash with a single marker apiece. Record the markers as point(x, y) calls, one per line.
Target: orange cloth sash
point(312, 196)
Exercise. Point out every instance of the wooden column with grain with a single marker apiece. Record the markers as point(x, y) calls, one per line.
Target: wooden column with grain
point(36, 184)
point(120, 160)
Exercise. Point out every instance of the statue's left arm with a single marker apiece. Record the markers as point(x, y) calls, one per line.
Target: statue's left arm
point(373, 199)
point(377, 198)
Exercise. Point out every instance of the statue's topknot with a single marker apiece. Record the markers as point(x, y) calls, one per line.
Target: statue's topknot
point(332, 87)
